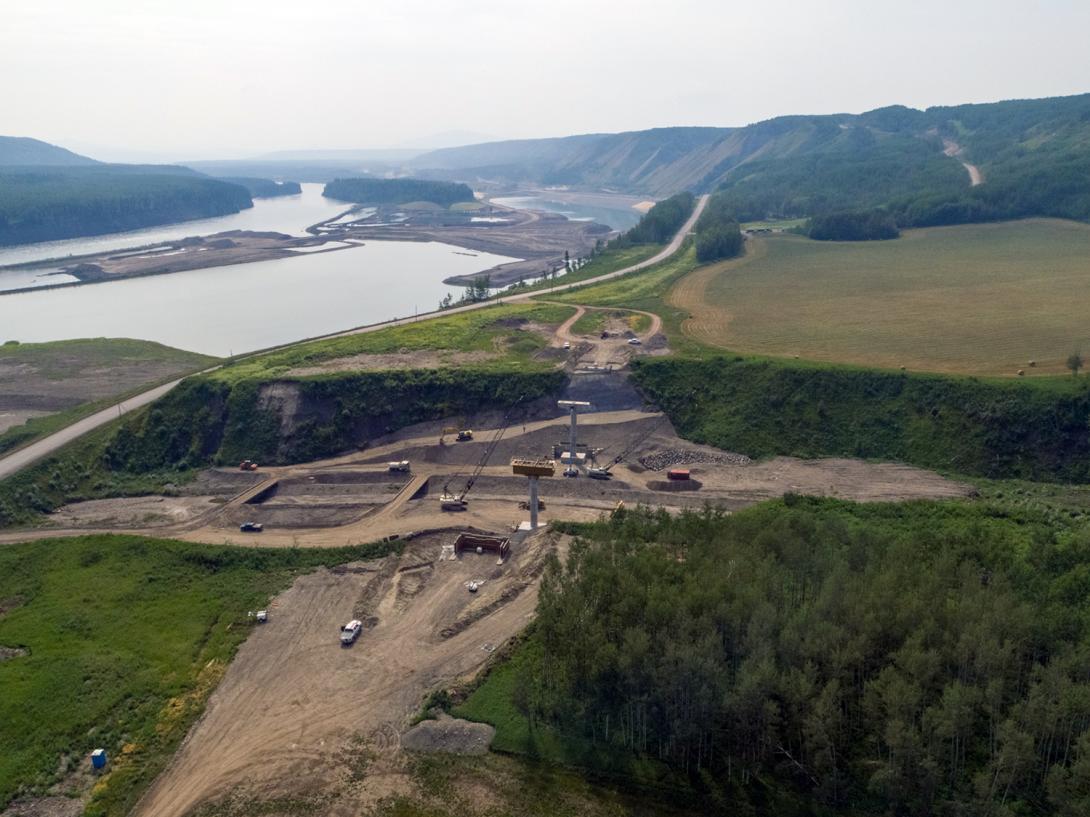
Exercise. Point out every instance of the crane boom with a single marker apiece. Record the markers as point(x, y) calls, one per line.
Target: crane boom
point(451, 501)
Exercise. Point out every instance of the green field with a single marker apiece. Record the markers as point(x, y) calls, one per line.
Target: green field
point(979, 299)
point(126, 637)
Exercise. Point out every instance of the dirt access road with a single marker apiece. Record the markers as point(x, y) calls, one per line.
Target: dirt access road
point(612, 352)
point(954, 150)
point(294, 705)
point(20, 459)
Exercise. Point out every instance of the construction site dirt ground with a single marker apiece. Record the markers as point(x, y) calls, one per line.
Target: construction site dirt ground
point(295, 712)
point(352, 499)
point(294, 704)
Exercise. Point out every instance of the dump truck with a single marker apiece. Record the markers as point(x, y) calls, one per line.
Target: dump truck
point(247, 465)
point(678, 473)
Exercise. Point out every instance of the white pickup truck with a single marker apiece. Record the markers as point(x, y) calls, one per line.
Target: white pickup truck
point(350, 632)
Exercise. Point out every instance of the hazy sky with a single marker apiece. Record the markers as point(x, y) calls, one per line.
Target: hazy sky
point(228, 78)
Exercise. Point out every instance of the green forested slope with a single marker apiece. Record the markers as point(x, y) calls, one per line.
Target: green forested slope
point(994, 428)
point(915, 659)
point(48, 203)
point(397, 191)
point(1034, 156)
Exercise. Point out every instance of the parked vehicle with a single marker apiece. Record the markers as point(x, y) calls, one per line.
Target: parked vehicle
point(247, 465)
point(251, 527)
point(350, 632)
point(401, 467)
point(634, 341)
point(598, 473)
point(473, 587)
point(567, 345)
point(464, 435)
point(262, 616)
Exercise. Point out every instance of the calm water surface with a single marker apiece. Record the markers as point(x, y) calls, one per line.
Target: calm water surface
point(238, 308)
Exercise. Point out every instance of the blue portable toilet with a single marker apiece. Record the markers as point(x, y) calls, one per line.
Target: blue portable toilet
point(98, 759)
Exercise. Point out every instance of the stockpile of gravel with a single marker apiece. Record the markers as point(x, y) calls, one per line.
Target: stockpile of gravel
point(673, 457)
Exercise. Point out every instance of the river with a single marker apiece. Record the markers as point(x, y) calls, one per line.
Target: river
point(284, 214)
point(243, 307)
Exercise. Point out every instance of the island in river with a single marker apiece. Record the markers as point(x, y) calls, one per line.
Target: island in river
point(538, 240)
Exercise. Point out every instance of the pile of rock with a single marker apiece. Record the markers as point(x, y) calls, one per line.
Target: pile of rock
point(673, 457)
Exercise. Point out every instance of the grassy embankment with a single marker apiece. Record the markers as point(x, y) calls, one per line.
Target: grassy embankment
point(126, 638)
point(502, 335)
point(226, 415)
point(105, 369)
point(1033, 430)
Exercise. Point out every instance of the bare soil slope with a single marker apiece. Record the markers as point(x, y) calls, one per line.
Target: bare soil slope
point(294, 701)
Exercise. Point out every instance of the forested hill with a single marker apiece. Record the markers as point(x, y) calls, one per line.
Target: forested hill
point(22, 150)
point(45, 203)
point(397, 191)
point(1034, 156)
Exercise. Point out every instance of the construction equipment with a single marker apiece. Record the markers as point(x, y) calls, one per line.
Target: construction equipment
point(247, 465)
point(605, 472)
point(450, 501)
point(465, 435)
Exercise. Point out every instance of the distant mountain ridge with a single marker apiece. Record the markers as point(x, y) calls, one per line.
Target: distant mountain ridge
point(17, 151)
point(662, 161)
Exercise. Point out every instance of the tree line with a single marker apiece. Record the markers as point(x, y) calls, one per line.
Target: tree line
point(397, 191)
point(913, 659)
point(718, 234)
point(659, 224)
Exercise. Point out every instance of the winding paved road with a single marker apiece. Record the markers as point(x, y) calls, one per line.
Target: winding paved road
point(17, 460)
